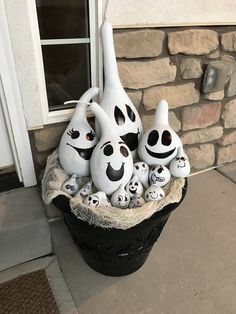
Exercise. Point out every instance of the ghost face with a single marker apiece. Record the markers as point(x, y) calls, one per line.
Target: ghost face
point(111, 165)
point(158, 146)
point(180, 167)
point(121, 200)
point(76, 148)
point(154, 193)
point(134, 187)
point(125, 118)
point(141, 170)
point(159, 175)
point(92, 200)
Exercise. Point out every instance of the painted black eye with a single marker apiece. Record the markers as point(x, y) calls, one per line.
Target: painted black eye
point(160, 170)
point(130, 113)
point(153, 138)
point(126, 198)
point(137, 167)
point(94, 201)
point(90, 198)
point(119, 198)
point(166, 138)
point(143, 165)
point(153, 168)
point(136, 183)
point(108, 150)
point(90, 136)
point(119, 116)
point(124, 151)
point(73, 134)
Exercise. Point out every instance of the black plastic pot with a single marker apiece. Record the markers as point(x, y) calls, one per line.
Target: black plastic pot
point(116, 252)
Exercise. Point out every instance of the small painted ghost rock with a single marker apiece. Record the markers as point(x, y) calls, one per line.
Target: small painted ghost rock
point(120, 198)
point(136, 201)
point(86, 190)
point(141, 169)
point(179, 166)
point(158, 145)
point(70, 186)
point(134, 187)
point(159, 175)
point(154, 193)
point(98, 199)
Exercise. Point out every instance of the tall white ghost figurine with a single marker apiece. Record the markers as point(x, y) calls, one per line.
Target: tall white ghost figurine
point(115, 101)
point(159, 144)
point(111, 162)
point(79, 139)
point(154, 193)
point(98, 199)
point(179, 166)
point(134, 187)
point(71, 185)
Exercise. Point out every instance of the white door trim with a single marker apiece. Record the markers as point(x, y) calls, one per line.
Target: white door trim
point(13, 107)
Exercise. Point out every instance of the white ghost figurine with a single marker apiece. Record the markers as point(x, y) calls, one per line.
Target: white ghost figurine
point(134, 187)
point(115, 101)
point(141, 169)
point(158, 145)
point(120, 198)
point(179, 166)
point(154, 193)
point(86, 190)
point(159, 175)
point(136, 201)
point(98, 199)
point(111, 162)
point(71, 185)
point(79, 139)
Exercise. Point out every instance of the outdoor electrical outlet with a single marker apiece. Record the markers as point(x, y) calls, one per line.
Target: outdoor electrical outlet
point(214, 77)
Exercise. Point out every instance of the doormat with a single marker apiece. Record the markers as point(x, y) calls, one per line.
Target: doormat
point(26, 294)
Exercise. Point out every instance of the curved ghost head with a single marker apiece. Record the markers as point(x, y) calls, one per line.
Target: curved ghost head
point(158, 146)
point(98, 199)
point(78, 140)
point(154, 193)
point(120, 198)
point(115, 101)
point(179, 166)
point(159, 175)
point(111, 161)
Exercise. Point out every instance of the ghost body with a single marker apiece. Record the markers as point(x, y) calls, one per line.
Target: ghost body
point(79, 139)
point(120, 198)
point(159, 175)
point(134, 187)
point(158, 145)
point(70, 186)
point(115, 101)
point(179, 166)
point(111, 162)
point(86, 190)
point(154, 193)
point(141, 169)
point(98, 199)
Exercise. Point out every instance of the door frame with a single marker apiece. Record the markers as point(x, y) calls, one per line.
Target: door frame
point(13, 107)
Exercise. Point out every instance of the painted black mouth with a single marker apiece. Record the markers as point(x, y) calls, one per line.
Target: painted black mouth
point(114, 175)
point(160, 155)
point(133, 192)
point(84, 153)
point(131, 140)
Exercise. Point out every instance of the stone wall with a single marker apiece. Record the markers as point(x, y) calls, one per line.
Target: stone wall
point(170, 63)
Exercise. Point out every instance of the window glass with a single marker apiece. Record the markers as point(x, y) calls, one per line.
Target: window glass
point(67, 73)
point(63, 18)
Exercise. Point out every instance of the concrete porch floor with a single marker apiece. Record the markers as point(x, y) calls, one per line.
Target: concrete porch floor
point(191, 269)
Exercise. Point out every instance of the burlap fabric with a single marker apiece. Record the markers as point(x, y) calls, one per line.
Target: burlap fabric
point(104, 217)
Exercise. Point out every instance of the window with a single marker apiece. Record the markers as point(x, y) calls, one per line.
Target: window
point(69, 50)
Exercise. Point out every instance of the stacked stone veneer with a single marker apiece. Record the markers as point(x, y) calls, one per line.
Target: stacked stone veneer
point(170, 63)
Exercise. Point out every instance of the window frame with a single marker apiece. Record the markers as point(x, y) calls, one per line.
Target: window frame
point(95, 21)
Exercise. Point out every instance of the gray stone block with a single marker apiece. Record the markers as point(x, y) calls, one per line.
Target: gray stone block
point(24, 229)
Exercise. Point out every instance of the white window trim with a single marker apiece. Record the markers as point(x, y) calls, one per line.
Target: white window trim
point(95, 17)
point(13, 108)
